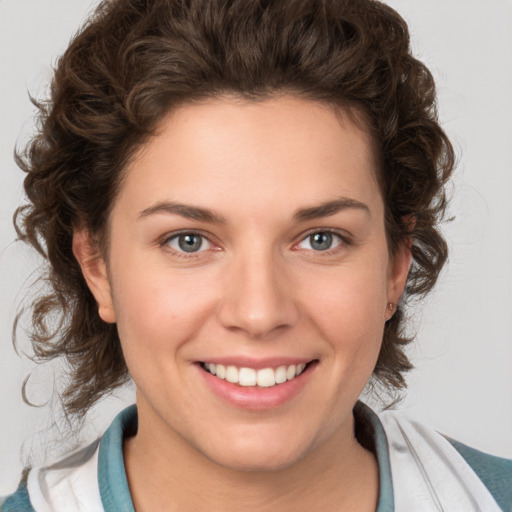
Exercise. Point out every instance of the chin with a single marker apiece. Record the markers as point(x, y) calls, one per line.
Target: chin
point(257, 454)
point(258, 463)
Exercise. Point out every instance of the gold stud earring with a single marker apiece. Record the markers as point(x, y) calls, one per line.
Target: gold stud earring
point(391, 308)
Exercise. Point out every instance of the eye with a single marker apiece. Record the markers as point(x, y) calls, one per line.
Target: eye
point(188, 242)
point(321, 241)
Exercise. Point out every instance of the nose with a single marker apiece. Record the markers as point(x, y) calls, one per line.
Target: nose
point(258, 297)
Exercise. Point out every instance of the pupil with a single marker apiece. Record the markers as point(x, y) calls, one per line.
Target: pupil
point(321, 241)
point(189, 243)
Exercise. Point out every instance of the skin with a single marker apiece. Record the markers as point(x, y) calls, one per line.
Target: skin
point(258, 288)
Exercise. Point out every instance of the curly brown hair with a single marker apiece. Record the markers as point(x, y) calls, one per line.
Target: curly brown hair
point(134, 60)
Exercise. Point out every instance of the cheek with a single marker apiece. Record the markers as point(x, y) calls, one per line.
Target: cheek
point(351, 298)
point(348, 308)
point(157, 312)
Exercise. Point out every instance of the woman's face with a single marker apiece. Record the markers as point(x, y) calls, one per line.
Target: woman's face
point(248, 240)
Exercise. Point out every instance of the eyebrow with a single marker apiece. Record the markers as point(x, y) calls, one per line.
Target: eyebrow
point(205, 215)
point(187, 211)
point(330, 208)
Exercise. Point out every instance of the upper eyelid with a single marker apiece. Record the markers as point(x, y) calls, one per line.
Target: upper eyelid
point(164, 243)
point(177, 253)
point(342, 234)
point(346, 237)
point(173, 234)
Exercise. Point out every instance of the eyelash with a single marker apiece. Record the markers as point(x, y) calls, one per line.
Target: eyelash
point(165, 243)
point(344, 240)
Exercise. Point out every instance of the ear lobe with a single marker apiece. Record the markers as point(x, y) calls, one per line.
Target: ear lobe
point(94, 270)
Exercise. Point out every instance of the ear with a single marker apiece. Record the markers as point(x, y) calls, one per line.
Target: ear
point(397, 277)
point(94, 269)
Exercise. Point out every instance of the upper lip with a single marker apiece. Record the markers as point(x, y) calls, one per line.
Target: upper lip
point(250, 362)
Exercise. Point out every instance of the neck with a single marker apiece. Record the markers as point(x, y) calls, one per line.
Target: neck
point(337, 475)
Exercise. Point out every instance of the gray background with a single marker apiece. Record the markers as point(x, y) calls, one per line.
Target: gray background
point(463, 382)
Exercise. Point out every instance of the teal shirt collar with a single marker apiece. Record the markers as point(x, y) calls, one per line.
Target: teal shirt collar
point(114, 490)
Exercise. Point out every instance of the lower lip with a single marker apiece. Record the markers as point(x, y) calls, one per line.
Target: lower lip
point(256, 398)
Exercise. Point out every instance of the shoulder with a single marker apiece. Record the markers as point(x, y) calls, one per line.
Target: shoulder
point(91, 479)
point(69, 484)
point(494, 472)
point(17, 502)
point(444, 468)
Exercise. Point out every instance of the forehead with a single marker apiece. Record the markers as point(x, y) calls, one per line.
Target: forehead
point(257, 150)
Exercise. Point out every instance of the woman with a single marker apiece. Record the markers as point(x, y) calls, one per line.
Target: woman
point(233, 197)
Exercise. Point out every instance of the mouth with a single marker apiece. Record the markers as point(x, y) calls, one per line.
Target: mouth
point(259, 378)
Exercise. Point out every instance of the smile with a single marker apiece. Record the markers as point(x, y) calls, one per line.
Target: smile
point(250, 377)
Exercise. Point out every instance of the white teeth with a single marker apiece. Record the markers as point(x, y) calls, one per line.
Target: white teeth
point(220, 370)
point(281, 375)
point(249, 377)
point(232, 374)
point(266, 378)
